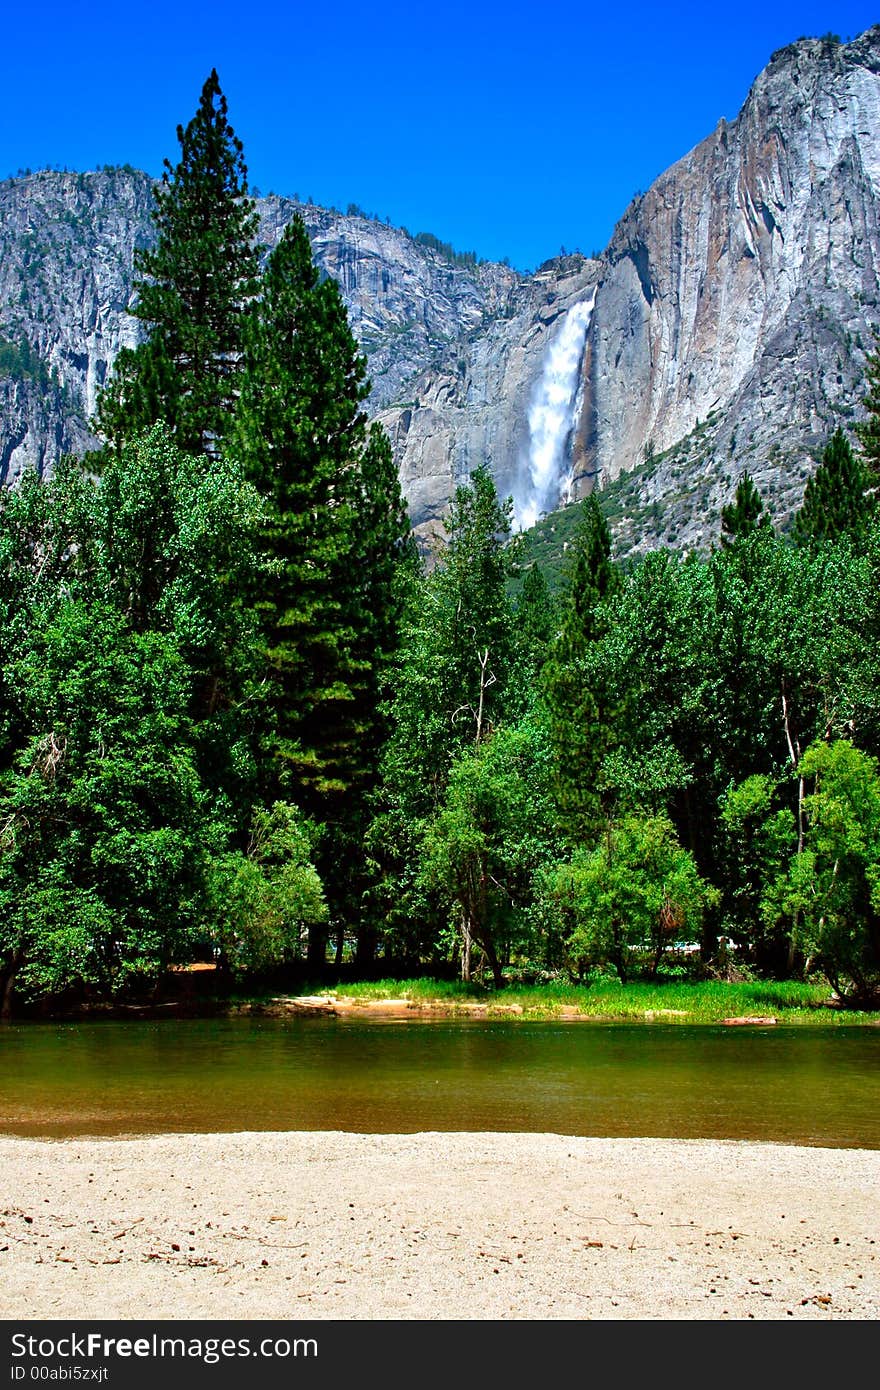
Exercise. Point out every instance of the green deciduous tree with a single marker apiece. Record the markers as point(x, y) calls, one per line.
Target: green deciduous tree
point(194, 287)
point(456, 660)
point(830, 896)
point(128, 684)
point(637, 892)
point(492, 833)
point(264, 897)
point(759, 837)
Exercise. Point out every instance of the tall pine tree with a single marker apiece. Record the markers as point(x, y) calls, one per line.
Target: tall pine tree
point(868, 430)
point(457, 657)
point(193, 291)
point(334, 528)
point(298, 432)
point(836, 500)
point(745, 514)
point(580, 704)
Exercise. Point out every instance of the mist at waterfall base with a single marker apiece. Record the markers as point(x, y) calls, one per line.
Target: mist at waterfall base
point(545, 476)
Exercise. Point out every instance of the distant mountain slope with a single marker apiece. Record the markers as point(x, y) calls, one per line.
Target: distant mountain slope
point(733, 310)
point(740, 294)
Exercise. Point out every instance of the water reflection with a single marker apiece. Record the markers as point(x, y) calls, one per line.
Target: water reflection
point(798, 1085)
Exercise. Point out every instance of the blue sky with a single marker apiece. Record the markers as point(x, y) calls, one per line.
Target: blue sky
point(506, 128)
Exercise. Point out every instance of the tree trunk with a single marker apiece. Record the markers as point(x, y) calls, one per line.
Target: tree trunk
point(8, 978)
point(794, 753)
point(367, 945)
point(618, 957)
point(494, 963)
point(340, 946)
point(317, 949)
point(465, 948)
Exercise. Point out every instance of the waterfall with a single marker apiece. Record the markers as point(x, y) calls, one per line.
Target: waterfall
point(551, 417)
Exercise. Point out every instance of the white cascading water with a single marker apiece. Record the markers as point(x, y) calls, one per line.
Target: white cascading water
point(546, 480)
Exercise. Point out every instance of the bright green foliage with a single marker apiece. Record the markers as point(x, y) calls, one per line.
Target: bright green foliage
point(335, 532)
point(638, 891)
point(831, 895)
point(860, 667)
point(211, 678)
point(384, 559)
point(734, 664)
point(298, 434)
point(759, 837)
point(450, 692)
point(582, 705)
point(493, 832)
point(534, 621)
point(652, 656)
point(103, 810)
point(476, 628)
point(195, 287)
point(745, 515)
point(264, 898)
point(868, 430)
point(457, 650)
point(174, 551)
point(127, 667)
point(835, 499)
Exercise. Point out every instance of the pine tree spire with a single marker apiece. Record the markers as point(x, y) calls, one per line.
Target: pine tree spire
point(836, 498)
point(194, 287)
point(745, 515)
point(868, 430)
point(580, 705)
point(334, 523)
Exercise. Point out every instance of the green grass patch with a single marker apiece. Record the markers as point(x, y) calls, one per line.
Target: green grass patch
point(666, 1001)
point(423, 990)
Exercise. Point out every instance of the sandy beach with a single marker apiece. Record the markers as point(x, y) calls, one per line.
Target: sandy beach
point(335, 1225)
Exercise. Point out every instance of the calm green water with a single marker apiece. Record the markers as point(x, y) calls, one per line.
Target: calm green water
point(805, 1085)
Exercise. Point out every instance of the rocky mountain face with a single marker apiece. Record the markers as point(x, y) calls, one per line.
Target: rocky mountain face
point(738, 298)
point(731, 315)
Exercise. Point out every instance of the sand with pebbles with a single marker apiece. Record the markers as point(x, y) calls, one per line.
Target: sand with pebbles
point(335, 1225)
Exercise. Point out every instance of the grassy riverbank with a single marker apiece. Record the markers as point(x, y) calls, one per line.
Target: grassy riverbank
point(665, 1001)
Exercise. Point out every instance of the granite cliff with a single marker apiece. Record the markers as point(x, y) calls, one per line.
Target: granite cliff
point(739, 295)
point(731, 314)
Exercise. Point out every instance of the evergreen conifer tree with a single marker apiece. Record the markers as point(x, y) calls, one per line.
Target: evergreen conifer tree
point(868, 430)
point(581, 707)
point(194, 289)
point(298, 432)
point(836, 499)
point(535, 613)
point(745, 514)
point(334, 529)
point(457, 657)
point(384, 558)
point(384, 548)
point(475, 615)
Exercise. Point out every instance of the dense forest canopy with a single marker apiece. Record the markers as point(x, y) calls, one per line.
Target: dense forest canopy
point(239, 720)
